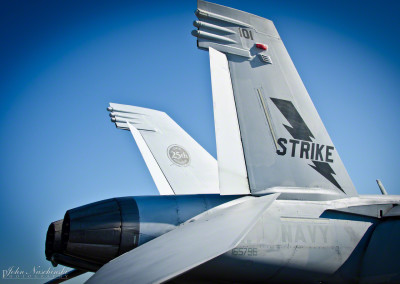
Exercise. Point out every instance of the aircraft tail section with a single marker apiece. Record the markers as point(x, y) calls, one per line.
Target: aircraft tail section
point(231, 165)
point(177, 163)
point(284, 143)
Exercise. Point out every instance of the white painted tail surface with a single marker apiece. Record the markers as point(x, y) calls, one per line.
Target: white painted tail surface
point(177, 163)
point(231, 165)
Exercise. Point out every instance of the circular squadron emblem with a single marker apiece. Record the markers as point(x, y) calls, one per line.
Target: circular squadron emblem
point(178, 155)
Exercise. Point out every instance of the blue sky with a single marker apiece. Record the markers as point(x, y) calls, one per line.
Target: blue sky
point(62, 62)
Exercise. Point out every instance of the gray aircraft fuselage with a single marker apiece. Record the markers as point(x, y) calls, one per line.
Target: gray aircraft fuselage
point(336, 241)
point(299, 217)
point(350, 240)
point(314, 242)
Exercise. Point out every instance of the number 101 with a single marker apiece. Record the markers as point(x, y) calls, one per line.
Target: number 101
point(246, 34)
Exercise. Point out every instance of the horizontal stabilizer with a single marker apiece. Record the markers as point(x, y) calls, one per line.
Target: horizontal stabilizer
point(191, 244)
point(177, 163)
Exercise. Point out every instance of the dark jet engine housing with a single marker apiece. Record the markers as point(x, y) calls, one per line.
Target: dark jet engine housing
point(91, 235)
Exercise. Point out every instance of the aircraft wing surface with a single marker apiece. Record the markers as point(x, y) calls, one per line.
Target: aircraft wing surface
point(196, 241)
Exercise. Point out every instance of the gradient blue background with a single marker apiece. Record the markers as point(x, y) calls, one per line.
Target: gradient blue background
point(62, 62)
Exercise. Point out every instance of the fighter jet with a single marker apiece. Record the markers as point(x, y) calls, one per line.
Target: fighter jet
point(277, 207)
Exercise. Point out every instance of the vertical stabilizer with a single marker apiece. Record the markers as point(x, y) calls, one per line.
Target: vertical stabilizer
point(285, 144)
point(232, 172)
point(177, 163)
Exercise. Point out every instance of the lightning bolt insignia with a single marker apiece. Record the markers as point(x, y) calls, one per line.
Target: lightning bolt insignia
point(325, 170)
point(300, 131)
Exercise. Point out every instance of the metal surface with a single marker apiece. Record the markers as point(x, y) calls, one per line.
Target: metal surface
point(195, 242)
point(381, 187)
point(93, 234)
point(318, 230)
point(231, 164)
point(177, 163)
point(53, 239)
point(74, 262)
point(162, 184)
point(161, 214)
point(380, 263)
point(98, 232)
point(314, 163)
point(394, 212)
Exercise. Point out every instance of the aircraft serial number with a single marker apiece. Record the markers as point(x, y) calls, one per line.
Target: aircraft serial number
point(244, 251)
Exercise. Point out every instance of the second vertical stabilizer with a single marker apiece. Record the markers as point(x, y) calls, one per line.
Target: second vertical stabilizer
point(285, 145)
